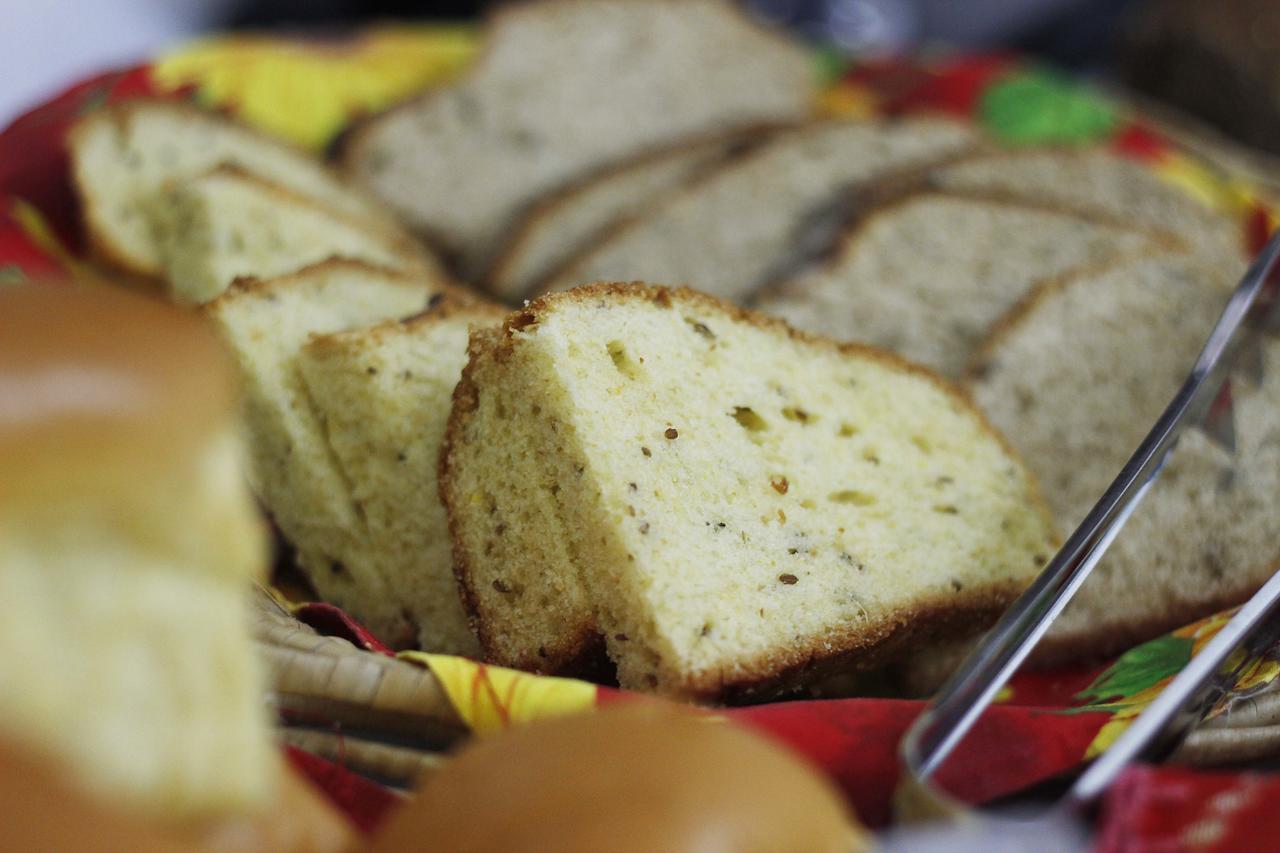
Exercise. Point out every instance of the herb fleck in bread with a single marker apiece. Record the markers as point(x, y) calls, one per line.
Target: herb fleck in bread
point(539, 108)
point(733, 504)
point(926, 276)
point(293, 469)
point(227, 224)
point(738, 227)
point(1075, 378)
point(1100, 182)
point(383, 395)
point(121, 154)
point(566, 222)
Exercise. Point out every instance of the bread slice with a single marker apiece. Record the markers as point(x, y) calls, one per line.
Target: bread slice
point(121, 154)
point(733, 504)
point(383, 395)
point(1100, 182)
point(569, 221)
point(739, 227)
point(1075, 379)
point(293, 469)
point(542, 107)
point(227, 224)
point(927, 275)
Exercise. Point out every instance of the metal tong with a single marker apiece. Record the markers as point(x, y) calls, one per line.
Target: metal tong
point(1202, 401)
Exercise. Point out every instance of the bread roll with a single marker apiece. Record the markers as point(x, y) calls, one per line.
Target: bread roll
point(635, 777)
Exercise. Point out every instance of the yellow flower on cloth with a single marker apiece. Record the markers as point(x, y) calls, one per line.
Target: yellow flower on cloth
point(308, 90)
point(493, 698)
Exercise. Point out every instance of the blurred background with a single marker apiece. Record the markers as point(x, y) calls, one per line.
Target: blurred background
point(1218, 59)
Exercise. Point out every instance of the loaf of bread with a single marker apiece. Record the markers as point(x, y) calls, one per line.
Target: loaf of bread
point(123, 153)
point(1075, 379)
point(568, 222)
point(564, 88)
point(739, 227)
point(128, 542)
point(227, 224)
point(733, 505)
point(926, 276)
point(1097, 181)
point(293, 467)
point(382, 395)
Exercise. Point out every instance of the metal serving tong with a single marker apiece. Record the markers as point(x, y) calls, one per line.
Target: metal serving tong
point(1203, 401)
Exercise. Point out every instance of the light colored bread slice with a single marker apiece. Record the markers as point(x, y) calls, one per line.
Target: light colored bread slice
point(738, 505)
point(383, 395)
point(927, 275)
point(1075, 379)
point(566, 222)
point(227, 224)
point(1097, 181)
point(740, 226)
point(121, 154)
point(293, 468)
point(566, 87)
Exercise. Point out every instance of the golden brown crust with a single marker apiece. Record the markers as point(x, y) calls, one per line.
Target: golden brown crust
point(923, 623)
point(119, 114)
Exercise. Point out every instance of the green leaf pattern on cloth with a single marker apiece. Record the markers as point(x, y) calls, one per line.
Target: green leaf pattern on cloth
point(1136, 672)
point(1042, 106)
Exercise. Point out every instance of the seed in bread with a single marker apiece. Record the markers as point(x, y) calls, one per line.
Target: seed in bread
point(571, 220)
point(123, 153)
point(128, 543)
point(1075, 379)
point(536, 111)
point(926, 276)
point(227, 224)
point(738, 227)
point(293, 469)
point(383, 395)
point(736, 504)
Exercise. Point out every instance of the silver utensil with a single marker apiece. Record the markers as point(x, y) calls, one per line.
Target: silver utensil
point(1203, 401)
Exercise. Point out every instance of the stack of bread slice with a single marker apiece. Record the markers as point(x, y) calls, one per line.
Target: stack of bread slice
point(734, 506)
point(927, 275)
point(345, 410)
point(749, 222)
point(565, 88)
point(188, 199)
point(1075, 378)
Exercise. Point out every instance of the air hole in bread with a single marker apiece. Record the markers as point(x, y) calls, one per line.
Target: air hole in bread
point(848, 430)
point(701, 328)
point(852, 496)
point(946, 509)
point(922, 443)
point(800, 416)
point(622, 359)
point(749, 420)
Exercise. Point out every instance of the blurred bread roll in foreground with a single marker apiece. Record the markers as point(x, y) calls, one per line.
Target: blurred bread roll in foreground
point(128, 543)
point(633, 777)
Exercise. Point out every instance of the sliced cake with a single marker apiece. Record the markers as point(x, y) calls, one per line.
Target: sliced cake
point(1075, 379)
point(227, 224)
point(747, 223)
point(562, 89)
point(569, 221)
point(1095, 180)
point(927, 275)
point(128, 547)
point(383, 394)
point(733, 505)
point(293, 469)
point(121, 154)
